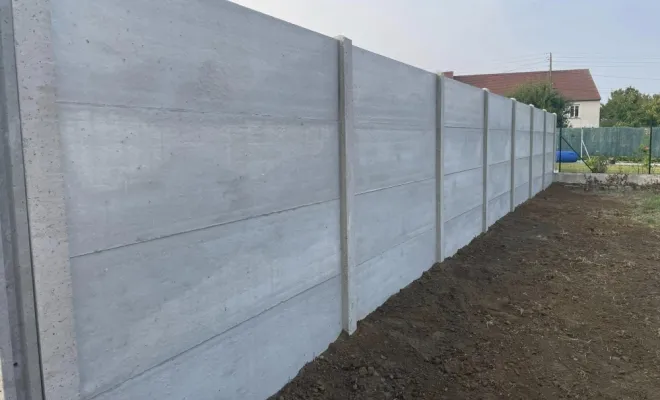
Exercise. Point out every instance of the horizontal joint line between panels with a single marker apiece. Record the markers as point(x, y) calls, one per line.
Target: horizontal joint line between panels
point(431, 228)
point(465, 170)
point(498, 195)
point(478, 207)
point(198, 112)
point(117, 386)
point(394, 186)
point(476, 128)
point(499, 163)
point(202, 228)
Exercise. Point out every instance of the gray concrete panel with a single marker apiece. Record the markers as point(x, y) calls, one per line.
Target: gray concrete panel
point(537, 165)
point(464, 105)
point(136, 175)
point(395, 119)
point(389, 156)
point(139, 305)
point(548, 179)
point(460, 231)
point(539, 120)
point(549, 161)
point(463, 191)
point(537, 185)
point(499, 145)
point(538, 142)
point(463, 149)
point(550, 123)
point(521, 174)
point(389, 217)
point(389, 272)
point(523, 117)
point(499, 112)
point(499, 179)
point(521, 194)
point(251, 361)
point(206, 56)
point(390, 92)
point(522, 143)
point(499, 207)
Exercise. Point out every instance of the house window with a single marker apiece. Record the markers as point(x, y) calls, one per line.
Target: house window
point(574, 111)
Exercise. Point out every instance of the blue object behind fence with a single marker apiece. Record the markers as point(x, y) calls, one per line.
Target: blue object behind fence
point(567, 156)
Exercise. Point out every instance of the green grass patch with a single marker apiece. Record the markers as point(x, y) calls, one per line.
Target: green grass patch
point(648, 209)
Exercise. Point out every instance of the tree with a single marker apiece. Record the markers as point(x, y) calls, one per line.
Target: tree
point(542, 95)
point(627, 107)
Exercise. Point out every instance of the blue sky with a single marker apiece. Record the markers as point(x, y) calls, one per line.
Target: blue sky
point(617, 40)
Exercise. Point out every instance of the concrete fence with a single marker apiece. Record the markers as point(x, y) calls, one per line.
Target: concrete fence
point(198, 198)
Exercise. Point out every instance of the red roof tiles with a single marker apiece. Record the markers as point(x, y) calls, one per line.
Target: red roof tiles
point(574, 84)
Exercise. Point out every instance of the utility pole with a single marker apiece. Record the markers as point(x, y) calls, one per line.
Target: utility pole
point(551, 69)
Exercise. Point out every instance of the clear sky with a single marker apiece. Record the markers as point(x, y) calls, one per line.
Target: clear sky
point(618, 40)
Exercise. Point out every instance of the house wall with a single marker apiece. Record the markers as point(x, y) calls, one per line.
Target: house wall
point(589, 115)
point(209, 210)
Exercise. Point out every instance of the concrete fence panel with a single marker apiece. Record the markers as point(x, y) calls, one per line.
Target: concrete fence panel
point(394, 219)
point(522, 153)
point(213, 194)
point(538, 138)
point(463, 144)
point(499, 157)
point(201, 162)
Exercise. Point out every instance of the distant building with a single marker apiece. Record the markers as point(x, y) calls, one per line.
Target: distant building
point(576, 85)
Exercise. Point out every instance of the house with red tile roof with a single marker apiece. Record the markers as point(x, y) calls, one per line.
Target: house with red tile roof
point(576, 85)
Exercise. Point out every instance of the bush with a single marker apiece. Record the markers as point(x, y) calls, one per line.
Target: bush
point(598, 164)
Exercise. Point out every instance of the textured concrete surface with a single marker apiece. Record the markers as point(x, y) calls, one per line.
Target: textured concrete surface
point(463, 169)
point(537, 150)
point(395, 107)
point(381, 276)
point(395, 122)
point(522, 151)
point(202, 167)
point(185, 289)
point(347, 165)
point(499, 157)
point(270, 87)
point(45, 197)
point(251, 361)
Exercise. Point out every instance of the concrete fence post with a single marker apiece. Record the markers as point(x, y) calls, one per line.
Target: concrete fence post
point(45, 189)
point(531, 151)
point(545, 151)
point(554, 145)
point(513, 155)
point(439, 168)
point(484, 212)
point(347, 183)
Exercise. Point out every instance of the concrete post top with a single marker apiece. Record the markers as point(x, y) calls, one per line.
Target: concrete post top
point(514, 99)
point(486, 90)
point(342, 38)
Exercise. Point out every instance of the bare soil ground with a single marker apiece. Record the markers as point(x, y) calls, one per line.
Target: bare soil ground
point(559, 300)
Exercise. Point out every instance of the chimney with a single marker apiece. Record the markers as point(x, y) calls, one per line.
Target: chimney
point(448, 74)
